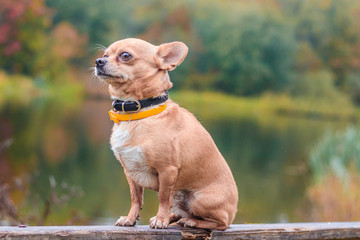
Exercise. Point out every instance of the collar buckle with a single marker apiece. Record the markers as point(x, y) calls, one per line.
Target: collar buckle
point(138, 105)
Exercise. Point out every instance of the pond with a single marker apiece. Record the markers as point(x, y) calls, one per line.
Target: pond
point(57, 162)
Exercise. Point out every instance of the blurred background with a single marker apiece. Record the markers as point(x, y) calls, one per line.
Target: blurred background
point(275, 82)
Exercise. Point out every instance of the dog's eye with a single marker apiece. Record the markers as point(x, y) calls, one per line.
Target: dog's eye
point(125, 56)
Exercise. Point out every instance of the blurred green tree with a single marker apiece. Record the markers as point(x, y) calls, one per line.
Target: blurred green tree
point(250, 50)
point(331, 28)
point(103, 21)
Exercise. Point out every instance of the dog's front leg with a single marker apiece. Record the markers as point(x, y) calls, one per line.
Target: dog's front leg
point(136, 192)
point(167, 180)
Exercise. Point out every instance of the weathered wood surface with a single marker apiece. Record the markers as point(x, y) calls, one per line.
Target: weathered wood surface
point(335, 230)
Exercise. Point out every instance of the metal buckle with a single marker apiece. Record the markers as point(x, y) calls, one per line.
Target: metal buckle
point(137, 103)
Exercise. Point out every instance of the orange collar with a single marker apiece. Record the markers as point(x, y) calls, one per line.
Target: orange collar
point(117, 117)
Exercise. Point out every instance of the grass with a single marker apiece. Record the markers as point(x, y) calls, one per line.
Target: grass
point(331, 200)
point(335, 165)
point(22, 90)
point(336, 153)
point(215, 106)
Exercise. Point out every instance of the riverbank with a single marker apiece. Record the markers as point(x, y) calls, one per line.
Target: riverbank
point(211, 105)
point(20, 89)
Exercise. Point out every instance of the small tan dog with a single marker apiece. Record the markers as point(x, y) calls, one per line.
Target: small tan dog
point(162, 146)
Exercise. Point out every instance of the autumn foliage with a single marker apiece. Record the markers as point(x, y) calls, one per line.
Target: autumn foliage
point(237, 47)
point(31, 45)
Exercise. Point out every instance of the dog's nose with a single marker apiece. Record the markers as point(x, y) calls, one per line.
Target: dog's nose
point(100, 62)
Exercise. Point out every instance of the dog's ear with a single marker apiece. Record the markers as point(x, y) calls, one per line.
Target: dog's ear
point(169, 55)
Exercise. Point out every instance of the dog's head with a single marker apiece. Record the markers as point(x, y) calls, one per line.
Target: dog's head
point(135, 69)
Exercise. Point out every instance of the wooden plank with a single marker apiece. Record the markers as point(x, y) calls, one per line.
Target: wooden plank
point(334, 230)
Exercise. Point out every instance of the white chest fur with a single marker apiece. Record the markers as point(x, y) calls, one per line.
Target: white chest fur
point(132, 157)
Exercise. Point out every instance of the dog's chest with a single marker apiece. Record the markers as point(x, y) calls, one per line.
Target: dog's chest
point(132, 157)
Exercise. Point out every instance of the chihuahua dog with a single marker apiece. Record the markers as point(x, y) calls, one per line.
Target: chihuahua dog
point(166, 150)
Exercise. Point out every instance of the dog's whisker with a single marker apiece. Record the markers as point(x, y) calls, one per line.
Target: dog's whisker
point(92, 69)
point(98, 81)
point(100, 47)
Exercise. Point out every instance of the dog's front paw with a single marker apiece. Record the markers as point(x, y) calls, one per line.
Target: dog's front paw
point(159, 222)
point(125, 221)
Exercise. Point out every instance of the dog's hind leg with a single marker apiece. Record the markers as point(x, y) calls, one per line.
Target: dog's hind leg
point(210, 209)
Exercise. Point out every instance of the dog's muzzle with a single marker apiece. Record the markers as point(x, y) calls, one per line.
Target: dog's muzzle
point(100, 63)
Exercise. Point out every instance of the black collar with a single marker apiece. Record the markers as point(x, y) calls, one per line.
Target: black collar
point(137, 105)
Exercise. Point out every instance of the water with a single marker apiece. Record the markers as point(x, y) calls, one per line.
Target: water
point(57, 161)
